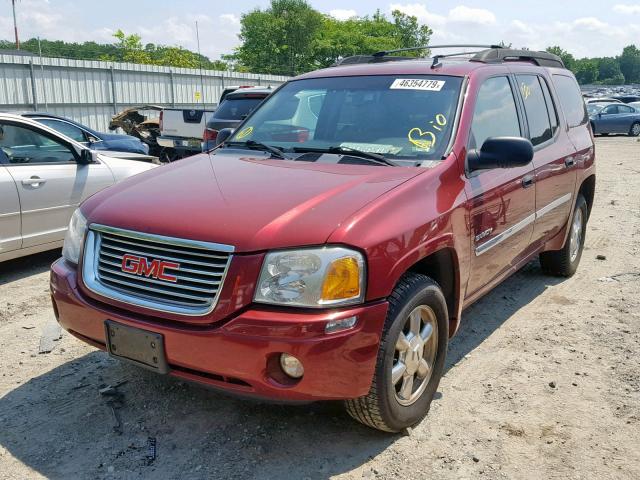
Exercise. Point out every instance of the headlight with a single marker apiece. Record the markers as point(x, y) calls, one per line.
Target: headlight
point(312, 277)
point(74, 237)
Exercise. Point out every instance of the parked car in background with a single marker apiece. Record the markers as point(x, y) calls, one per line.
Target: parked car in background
point(43, 177)
point(230, 113)
point(627, 98)
point(601, 100)
point(327, 249)
point(181, 132)
point(89, 137)
point(615, 118)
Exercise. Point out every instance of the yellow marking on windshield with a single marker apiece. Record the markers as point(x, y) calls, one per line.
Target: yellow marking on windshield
point(426, 139)
point(244, 133)
point(422, 140)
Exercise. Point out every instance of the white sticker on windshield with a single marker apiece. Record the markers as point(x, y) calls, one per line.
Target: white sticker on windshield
point(417, 84)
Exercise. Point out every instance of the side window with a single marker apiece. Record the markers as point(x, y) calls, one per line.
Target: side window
point(64, 128)
point(22, 145)
point(570, 100)
point(495, 113)
point(535, 108)
point(551, 107)
point(625, 109)
point(610, 110)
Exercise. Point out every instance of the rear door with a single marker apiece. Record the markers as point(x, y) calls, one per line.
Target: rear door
point(49, 182)
point(554, 156)
point(626, 116)
point(502, 201)
point(10, 237)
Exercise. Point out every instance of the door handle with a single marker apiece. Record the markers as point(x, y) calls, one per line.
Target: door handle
point(527, 181)
point(569, 162)
point(34, 181)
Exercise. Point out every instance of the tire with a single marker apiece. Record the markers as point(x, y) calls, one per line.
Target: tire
point(564, 262)
point(634, 131)
point(387, 406)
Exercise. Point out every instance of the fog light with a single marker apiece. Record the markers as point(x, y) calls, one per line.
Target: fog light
point(342, 324)
point(291, 365)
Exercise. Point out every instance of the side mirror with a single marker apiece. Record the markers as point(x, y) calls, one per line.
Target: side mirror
point(223, 134)
point(501, 152)
point(86, 157)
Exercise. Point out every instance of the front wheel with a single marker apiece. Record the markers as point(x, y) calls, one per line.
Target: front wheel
point(410, 359)
point(564, 262)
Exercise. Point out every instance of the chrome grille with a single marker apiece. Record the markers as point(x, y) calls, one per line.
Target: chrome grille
point(198, 279)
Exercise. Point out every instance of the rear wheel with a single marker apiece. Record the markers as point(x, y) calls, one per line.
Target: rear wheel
point(564, 262)
point(410, 359)
point(634, 131)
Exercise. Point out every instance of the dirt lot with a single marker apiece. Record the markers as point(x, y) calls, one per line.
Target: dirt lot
point(542, 381)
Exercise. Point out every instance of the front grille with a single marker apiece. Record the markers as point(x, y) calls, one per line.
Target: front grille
point(125, 265)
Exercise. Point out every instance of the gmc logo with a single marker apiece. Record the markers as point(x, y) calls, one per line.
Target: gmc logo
point(154, 269)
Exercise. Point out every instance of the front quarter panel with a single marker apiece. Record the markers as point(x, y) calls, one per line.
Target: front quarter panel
point(424, 215)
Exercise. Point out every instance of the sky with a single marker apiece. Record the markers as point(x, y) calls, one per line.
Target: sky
point(584, 27)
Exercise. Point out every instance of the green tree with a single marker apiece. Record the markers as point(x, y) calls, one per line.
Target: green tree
point(586, 71)
point(609, 71)
point(279, 39)
point(129, 48)
point(630, 64)
point(568, 59)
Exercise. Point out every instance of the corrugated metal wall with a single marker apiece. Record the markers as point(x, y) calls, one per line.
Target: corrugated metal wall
point(90, 92)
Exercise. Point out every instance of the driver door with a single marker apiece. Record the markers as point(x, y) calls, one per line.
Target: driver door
point(49, 181)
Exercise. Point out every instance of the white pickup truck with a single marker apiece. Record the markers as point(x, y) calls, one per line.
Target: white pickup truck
point(181, 132)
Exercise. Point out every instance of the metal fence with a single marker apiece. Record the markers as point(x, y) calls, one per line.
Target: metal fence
point(90, 92)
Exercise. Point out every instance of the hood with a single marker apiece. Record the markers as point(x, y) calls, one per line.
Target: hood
point(122, 168)
point(251, 202)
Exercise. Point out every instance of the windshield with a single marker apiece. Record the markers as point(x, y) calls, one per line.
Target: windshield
point(406, 117)
point(237, 108)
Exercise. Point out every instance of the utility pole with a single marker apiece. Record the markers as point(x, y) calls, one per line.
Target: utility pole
point(15, 24)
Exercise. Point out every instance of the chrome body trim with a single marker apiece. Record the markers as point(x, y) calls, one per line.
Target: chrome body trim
point(91, 269)
point(489, 244)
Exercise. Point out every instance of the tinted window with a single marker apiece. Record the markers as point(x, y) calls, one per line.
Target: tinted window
point(536, 108)
point(610, 110)
point(495, 114)
point(625, 109)
point(64, 128)
point(570, 100)
point(236, 108)
point(551, 107)
point(22, 145)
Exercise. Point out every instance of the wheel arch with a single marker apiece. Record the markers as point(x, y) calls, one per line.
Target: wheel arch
point(442, 266)
point(587, 190)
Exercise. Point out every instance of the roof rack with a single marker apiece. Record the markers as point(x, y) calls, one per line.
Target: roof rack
point(499, 55)
point(489, 54)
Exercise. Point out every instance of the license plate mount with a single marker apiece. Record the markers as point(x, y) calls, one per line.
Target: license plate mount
point(135, 345)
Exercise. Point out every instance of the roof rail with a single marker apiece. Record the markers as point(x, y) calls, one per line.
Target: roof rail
point(489, 54)
point(384, 53)
point(499, 55)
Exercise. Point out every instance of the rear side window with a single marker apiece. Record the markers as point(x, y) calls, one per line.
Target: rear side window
point(495, 113)
point(236, 108)
point(625, 109)
point(535, 107)
point(570, 100)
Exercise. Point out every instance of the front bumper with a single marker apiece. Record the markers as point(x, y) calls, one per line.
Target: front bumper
point(238, 354)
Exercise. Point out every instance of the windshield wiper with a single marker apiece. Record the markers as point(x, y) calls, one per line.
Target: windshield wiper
point(262, 146)
point(374, 157)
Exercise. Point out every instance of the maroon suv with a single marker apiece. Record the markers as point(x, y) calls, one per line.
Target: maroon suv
point(327, 248)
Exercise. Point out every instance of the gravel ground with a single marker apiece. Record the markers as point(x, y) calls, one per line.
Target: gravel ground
point(542, 382)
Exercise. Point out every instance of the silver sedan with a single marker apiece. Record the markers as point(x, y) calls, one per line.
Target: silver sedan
point(43, 178)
